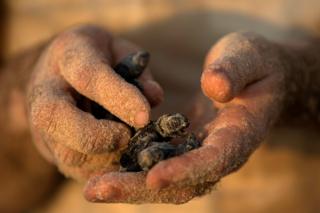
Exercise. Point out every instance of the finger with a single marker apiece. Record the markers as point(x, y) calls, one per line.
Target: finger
point(80, 166)
point(54, 113)
point(84, 63)
point(131, 188)
point(65, 155)
point(236, 61)
point(151, 89)
point(67, 160)
point(234, 134)
point(223, 150)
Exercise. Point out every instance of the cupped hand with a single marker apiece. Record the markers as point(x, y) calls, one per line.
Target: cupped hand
point(246, 78)
point(73, 75)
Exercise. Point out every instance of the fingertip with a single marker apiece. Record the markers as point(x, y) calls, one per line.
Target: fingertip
point(216, 84)
point(142, 119)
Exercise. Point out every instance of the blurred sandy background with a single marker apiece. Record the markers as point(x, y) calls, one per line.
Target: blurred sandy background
point(282, 176)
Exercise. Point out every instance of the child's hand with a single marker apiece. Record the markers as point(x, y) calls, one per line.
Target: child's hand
point(76, 67)
point(245, 76)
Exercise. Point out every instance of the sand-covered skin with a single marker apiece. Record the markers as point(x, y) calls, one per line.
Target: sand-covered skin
point(132, 188)
point(247, 77)
point(78, 62)
point(251, 81)
point(245, 115)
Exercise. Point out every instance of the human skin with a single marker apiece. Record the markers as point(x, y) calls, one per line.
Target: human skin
point(253, 83)
point(251, 80)
point(75, 67)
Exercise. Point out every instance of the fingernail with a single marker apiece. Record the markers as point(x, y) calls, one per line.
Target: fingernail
point(141, 119)
point(216, 84)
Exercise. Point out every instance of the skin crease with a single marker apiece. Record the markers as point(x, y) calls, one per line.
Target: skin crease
point(79, 61)
point(249, 79)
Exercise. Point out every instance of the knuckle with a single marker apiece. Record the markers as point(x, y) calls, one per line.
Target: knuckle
point(104, 139)
point(253, 45)
point(244, 37)
point(98, 145)
point(80, 73)
point(89, 144)
point(67, 44)
point(83, 77)
point(61, 42)
point(82, 33)
point(243, 43)
point(74, 33)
